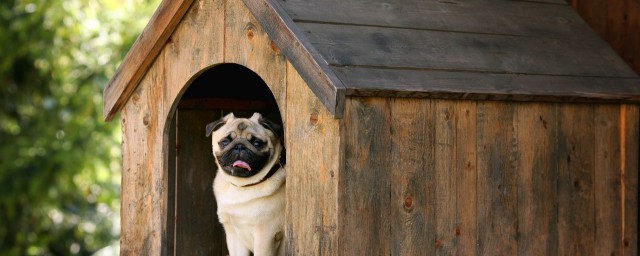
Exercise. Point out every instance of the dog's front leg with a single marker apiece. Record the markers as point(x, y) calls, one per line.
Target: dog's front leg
point(268, 244)
point(235, 246)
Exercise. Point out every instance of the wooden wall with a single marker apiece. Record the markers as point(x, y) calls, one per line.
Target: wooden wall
point(488, 178)
point(617, 22)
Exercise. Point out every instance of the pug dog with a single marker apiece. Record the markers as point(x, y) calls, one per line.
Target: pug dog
point(249, 186)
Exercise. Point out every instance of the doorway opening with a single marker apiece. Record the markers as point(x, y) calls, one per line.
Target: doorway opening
point(192, 222)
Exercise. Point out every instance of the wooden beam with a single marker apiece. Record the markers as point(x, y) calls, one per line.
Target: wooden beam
point(142, 54)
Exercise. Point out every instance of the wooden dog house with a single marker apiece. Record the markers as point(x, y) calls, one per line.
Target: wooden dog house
point(412, 127)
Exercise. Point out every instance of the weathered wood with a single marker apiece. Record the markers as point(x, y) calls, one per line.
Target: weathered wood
point(455, 177)
point(142, 54)
point(576, 212)
point(311, 65)
point(497, 178)
point(363, 81)
point(608, 181)
point(246, 43)
point(617, 22)
point(411, 160)
point(537, 179)
point(348, 45)
point(313, 144)
point(144, 169)
point(366, 185)
point(524, 18)
point(630, 153)
point(197, 229)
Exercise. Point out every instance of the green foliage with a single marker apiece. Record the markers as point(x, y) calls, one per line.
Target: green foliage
point(60, 164)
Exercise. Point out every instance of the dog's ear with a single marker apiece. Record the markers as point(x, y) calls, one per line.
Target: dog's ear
point(275, 128)
point(215, 126)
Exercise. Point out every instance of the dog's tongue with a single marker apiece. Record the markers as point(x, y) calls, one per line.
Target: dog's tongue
point(242, 164)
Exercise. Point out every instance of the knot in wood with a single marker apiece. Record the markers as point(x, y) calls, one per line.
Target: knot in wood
point(408, 203)
point(146, 119)
point(314, 118)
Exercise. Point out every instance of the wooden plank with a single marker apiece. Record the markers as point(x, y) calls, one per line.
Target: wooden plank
point(366, 186)
point(576, 212)
point(309, 63)
point(537, 179)
point(142, 54)
point(197, 229)
point(348, 45)
point(362, 81)
point(608, 180)
point(247, 44)
point(525, 18)
point(497, 179)
point(412, 217)
point(313, 143)
point(455, 177)
point(630, 154)
point(170, 220)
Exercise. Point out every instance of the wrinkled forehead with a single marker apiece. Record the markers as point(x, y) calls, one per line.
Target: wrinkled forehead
point(243, 128)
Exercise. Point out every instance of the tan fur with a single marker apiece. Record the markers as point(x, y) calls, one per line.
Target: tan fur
point(253, 216)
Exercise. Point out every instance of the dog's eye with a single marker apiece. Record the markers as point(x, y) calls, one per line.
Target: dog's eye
point(224, 142)
point(258, 143)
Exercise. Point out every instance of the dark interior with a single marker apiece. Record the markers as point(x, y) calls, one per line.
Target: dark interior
point(192, 221)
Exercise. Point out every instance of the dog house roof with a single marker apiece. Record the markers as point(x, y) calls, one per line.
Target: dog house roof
point(455, 49)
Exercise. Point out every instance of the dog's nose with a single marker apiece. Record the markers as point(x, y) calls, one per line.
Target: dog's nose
point(239, 147)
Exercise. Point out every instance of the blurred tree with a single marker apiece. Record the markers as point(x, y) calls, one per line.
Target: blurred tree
point(59, 162)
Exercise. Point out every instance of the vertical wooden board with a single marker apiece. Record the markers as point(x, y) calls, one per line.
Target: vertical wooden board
point(411, 171)
point(366, 185)
point(631, 152)
point(313, 146)
point(445, 177)
point(607, 182)
point(169, 231)
point(497, 178)
point(455, 177)
point(466, 178)
point(537, 179)
point(247, 44)
point(576, 212)
point(198, 231)
point(188, 51)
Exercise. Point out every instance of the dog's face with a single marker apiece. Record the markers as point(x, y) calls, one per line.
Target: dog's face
point(244, 147)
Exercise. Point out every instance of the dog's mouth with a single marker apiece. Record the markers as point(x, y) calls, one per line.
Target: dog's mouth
point(241, 164)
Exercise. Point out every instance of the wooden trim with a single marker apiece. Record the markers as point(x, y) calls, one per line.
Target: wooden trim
point(142, 54)
point(305, 58)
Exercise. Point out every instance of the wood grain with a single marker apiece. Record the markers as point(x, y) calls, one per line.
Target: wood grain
point(314, 149)
point(537, 179)
point(310, 64)
point(576, 212)
point(524, 18)
point(348, 45)
point(365, 81)
point(630, 164)
point(366, 187)
point(142, 54)
point(608, 182)
point(497, 178)
point(197, 229)
point(411, 170)
point(455, 177)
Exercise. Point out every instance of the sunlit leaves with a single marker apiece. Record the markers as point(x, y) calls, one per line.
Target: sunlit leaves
point(59, 162)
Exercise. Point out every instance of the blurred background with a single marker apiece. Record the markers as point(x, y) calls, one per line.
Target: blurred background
point(60, 163)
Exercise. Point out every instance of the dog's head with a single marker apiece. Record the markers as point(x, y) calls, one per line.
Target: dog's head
point(245, 147)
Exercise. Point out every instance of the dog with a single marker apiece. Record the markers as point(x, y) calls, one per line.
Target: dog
point(249, 186)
